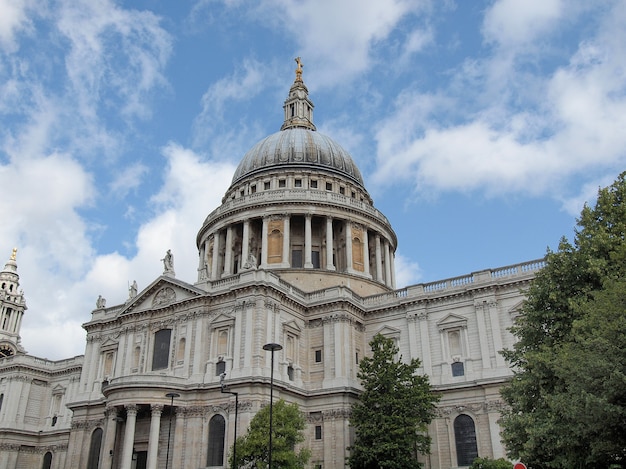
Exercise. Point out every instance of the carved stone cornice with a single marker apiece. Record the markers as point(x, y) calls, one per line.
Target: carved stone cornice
point(87, 424)
point(475, 408)
point(337, 414)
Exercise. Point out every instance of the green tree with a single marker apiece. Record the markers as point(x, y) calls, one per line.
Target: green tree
point(391, 416)
point(486, 463)
point(288, 425)
point(568, 394)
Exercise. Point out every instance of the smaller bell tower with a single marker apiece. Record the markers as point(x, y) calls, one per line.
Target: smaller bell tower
point(12, 307)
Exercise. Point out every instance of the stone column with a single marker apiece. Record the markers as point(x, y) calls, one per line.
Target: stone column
point(228, 253)
point(307, 241)
point(329, 244)
point(201, 256)
point(387, 265)
point(245, 242)
point(216, 255)
point(379, 260)
point(264, 244)
point(129, 436)
point(286, 239)
point(392, 258)
point(366, 252)
point(349, 266)
point(110, 434)
point(482, 333)
point(153, 439)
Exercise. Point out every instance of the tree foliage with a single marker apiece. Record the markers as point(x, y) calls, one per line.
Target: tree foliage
point(486, 463)
point(391, 417)
point(568, 395)
point(288, 425)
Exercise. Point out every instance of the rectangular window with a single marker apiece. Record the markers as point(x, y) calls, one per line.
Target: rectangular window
point(315, 259)
point(161, 355)
point(458, 369)
point(313, 184)
point(318, 432)
point(266, 185)
point(253, 189)
point(318, 356)
point(297, 183)
point(281, 183)
point(329, 186)
point(342, 190)
point(296, 258)
point(290, 372)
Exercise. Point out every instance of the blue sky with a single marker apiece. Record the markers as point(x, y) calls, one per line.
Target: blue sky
point(481, 129)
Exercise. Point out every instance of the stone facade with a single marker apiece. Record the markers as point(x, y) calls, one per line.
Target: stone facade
point(295, 255)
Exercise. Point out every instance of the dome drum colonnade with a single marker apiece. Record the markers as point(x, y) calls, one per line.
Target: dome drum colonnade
point(297, 201)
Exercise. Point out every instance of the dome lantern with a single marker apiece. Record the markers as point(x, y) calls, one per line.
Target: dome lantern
point(298, 107)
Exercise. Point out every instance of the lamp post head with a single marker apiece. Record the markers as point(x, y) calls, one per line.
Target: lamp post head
point(272, 347)
point(172, 395)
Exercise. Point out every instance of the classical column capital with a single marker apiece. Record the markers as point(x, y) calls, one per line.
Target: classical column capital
point(156, 408)
point(131, 408)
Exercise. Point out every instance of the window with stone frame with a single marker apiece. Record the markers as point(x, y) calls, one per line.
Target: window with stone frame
point(453, 330)
point(221, 343)
point(93, 460)
point(217, 433)
point(161, 352)
point(291, 337)
point(465, 440)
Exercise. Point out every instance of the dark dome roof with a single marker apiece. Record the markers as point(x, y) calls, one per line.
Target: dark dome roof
point(298, 148)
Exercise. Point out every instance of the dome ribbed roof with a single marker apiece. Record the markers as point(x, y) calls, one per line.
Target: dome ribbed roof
point(298, 148)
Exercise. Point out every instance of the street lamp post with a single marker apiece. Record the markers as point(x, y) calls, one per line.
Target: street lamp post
point(271, 348)
point(236, 394)
point(171, 395)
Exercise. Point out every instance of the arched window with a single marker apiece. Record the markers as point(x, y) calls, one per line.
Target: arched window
point(465, 438)
point(47, 461)
point(94, 449)
point(217, 430)
point(160, 358)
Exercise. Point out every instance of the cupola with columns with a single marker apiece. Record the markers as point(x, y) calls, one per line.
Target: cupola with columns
point(12, 307)
point(297, 205)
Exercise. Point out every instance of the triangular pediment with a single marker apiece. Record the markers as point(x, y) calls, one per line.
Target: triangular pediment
point(163, 292)
point(451, 321)
point(292, 326)
point(109, 344)
point(388, 331)
point(222, 320)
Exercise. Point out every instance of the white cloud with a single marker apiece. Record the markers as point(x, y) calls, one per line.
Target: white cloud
point(512, 23)
point(14, 19)
point(192, 188)
point(408, 272)
point(571, 126)
point(127, 180)
point(123, 51)
point(338, 37)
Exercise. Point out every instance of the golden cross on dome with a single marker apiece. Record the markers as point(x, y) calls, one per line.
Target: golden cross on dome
point(298, 69)
point(14, 254)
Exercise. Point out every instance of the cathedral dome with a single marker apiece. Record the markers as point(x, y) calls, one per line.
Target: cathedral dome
point(298, 148)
